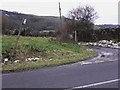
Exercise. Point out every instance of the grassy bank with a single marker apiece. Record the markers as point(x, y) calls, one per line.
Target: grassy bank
point(50, 53)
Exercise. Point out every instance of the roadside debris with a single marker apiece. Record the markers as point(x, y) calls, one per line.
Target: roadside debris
point(17, 61)
point(103, 43)
point(6, 60)
point(32, 59)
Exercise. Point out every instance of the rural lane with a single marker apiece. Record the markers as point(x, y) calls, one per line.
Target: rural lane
point(102, 68)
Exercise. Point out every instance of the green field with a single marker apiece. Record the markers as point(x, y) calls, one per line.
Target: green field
point(49, 51)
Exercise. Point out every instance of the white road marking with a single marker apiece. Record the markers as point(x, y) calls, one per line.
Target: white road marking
point(95, 84)
point(92, 62)
point(99, 61)
point(86, 63)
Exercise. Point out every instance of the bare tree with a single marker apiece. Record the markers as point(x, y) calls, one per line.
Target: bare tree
point(86, 13)
point(83, 21)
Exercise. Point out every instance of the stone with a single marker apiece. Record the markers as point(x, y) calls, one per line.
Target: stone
point(17, 61)
point(6, 59)
point(29, 59)
point(35, 59)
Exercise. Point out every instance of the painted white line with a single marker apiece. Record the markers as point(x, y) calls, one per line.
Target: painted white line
point(99, 61)
point(95, 84)
point(86, 63)
point(94, 62)
point(113, 60)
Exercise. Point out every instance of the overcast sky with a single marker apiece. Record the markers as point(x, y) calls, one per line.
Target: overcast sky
point(107, 9)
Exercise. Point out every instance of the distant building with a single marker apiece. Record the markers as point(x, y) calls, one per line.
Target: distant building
point(47, 33)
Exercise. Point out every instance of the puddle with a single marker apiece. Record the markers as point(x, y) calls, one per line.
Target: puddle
point(102, 56)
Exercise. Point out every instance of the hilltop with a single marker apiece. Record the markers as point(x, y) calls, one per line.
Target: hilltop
point(11, 21)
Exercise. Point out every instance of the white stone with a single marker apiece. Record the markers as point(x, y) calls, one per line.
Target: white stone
point(99, 44)
point(91, 43)
point(51, 59)
point(118, 43)
point(6, 59)
point(29, 59)
point(111, 41)
point(109, 45)
point(17, 61)
point(103, 41)
point(95, 44)
point(115, 44)
point(26, 59)
point(32, 59)
point(79, 43)
point(36, 58)
point(85, 44)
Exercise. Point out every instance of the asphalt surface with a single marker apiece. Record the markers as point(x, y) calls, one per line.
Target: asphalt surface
point(99, 69)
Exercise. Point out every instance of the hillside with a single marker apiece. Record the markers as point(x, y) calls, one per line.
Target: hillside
point(11, 21)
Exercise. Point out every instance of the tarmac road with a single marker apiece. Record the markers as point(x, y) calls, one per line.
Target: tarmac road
point(100, 72)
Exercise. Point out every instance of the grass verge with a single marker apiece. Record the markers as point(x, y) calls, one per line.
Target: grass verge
point(50, 53)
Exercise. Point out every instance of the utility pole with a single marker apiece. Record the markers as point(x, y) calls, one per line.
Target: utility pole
point(60, 26)
point(60, 15)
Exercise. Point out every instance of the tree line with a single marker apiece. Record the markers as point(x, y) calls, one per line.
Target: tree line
point(80, 23)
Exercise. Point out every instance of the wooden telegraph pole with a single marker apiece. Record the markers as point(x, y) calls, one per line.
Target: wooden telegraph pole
point(60, 15)
point(60, 11)
point(60, 26)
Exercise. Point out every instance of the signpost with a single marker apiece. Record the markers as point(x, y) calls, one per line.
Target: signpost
point(18, 36)
point(75, 36)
